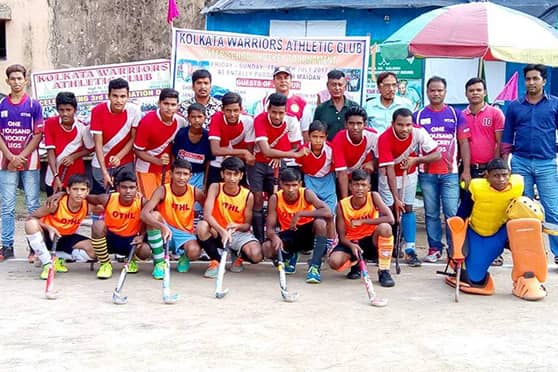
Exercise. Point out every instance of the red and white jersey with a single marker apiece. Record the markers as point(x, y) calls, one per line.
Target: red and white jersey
point(283, 137)
point(317, 166)
point(350, 156)
point(155, 137)
point(295, 106)
point(115, 128)
point(232, 136)
point(392, 150)
point(64, 143)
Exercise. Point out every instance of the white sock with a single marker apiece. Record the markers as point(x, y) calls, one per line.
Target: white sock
point(79, 255)
point(38, 245)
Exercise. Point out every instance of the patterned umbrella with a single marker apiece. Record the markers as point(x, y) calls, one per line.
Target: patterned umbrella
point(486, 30)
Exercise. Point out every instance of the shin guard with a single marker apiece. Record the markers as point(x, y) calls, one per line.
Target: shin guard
point(409, 226)
point(385, 248)
point(258, 225)
point(320, 247)
point(529, 258)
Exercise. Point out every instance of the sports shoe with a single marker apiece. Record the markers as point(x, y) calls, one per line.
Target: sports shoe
point(236, 266)
point(105, 271)
point(354, 273)
point(556, 260)
point(433, 255)
point(313, 275)
point(290, 264)
point(212, 269)
point(44, 273)
point(133, 267)
point(412, 259)
point(384, 276)
point(183, 265)
point(60, 265)
point(159, 270)
point(6, 253)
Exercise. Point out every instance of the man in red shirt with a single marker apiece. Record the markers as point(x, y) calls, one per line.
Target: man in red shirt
point(399, 148)
point(113, 125)
point(231, 133)
point(153, 141)
point(355, 147)
point(276, 139)
point(67, 141)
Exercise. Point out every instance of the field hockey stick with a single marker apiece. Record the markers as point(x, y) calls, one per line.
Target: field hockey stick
point(275, 180)
point(49, 288)
point(374, 300)
point(168, 298)
point(62, 177)
point(287, 297)
point(219, 291)
point(117, 297)
point(399, 237)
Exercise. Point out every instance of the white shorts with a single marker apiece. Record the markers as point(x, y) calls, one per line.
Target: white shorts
point(408, 194)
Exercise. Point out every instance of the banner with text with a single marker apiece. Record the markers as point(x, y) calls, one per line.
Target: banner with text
point(90, 84)
point(244, 63)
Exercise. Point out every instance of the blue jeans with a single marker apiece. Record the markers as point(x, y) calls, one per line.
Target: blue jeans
point(543, 173)
point(8, 186)
point(435, 187)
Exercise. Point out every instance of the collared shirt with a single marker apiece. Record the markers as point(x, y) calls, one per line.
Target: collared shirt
point(483, 126)
point(531, 129)
point(379, 116)
point(335, 120)
point(213, 105)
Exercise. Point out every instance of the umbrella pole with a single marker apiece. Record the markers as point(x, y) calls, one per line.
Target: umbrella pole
point(481, 66)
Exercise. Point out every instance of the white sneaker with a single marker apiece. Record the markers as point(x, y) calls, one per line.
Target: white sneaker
point(433, 256)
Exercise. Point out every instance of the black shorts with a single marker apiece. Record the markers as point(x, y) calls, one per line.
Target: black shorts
point(260, 178)
point(119, 244)
point(299, 240)
point(369, 249)
point(66, 243)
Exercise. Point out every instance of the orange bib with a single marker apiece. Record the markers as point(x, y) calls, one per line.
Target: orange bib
point(121, 219)
point(368, 210)
point(230, 208)
point(64, 220)
point(286, 210)
point(178, 210)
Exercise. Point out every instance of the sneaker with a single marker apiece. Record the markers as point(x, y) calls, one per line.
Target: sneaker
point(498, 261)
point(290, 264)
point(236, 266)
point(412, 259)
point(212, 269)
point(384, 276)
point(313, 275)
point(60, 265)
point(354, 273)
point(133, 267)
point(6, 253)
point(433, 255)
point(105, 271)
point(183, 265)
point(44, 273)
point(556, 260)
point(159, 270)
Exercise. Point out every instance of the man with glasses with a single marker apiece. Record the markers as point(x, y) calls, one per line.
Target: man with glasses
point(380, 109)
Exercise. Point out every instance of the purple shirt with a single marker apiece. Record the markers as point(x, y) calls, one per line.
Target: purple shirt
point(18, 123)
point(446, 127)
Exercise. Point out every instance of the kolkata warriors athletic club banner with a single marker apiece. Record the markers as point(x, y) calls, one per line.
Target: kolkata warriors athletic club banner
point(90, 84)
point(244, 63)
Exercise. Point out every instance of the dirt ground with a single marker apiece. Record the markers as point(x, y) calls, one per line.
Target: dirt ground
point(330, 327)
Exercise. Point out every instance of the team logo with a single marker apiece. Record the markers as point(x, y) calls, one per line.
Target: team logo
point(295, 108)
point(4, 113)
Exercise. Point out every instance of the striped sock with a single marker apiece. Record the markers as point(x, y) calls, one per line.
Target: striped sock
point(155, 240)
point(100, 247)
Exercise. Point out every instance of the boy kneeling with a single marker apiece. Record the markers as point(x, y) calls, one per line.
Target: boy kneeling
point(363, 225)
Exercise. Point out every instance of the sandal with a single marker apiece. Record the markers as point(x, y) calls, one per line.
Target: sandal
point(499, 261)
